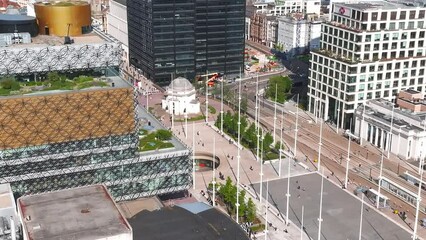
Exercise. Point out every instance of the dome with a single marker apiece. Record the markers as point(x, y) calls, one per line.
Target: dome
point(181, 84)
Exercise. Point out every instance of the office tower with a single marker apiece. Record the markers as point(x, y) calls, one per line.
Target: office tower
point(368, 51)
point(185, 38)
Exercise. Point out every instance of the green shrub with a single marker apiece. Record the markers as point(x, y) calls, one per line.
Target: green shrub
point(10, 84)
point(163, 135)
point(212, 110)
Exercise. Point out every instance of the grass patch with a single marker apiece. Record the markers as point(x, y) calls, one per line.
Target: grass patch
point(150, 142)
point(212, 110)
point(197, 118)
point(270, 156)
point(4, 92)
point(143, 132)
point(258, 228)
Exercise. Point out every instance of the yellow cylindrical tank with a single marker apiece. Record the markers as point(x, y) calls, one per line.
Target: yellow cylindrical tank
point(63, 18)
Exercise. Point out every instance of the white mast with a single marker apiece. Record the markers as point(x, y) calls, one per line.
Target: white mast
point(288, 192)
point(316, 107)
point(257, 127)
point(207, 97)
point(348, 157)
point(255, 108)
point(418, 200)
point(266, 209)
point(301, 226)
point(261, 173)
point(275, 111)
point(338, 115)
point(281, 141)
point(214, 171)
point(390, 134)
point(320, 211)
point(221, 106)
point(320, 140)
point(173, 106)
point(238, 149)
point(296, 130)
point(193, 155)
point(362, 124)
point(186, 118)
point(360, 220)
point(380, 182)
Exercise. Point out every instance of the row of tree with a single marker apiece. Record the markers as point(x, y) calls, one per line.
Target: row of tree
point(248, 133)
point(228, 193)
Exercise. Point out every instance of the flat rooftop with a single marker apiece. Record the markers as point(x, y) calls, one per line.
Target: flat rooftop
point(6, 196)
point(84, 213)
point(46, 40)
point(374, 5)
point(188, 221)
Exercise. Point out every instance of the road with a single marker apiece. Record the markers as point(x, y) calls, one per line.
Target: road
point(364, 160)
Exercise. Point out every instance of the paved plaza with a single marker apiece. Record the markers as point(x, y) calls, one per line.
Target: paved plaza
point(341, 211)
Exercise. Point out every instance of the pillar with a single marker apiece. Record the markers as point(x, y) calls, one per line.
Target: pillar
point(371, 133)
point(376, 138)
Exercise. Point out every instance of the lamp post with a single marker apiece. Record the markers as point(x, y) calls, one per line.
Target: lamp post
point(296, 130)
point(193, 155)
point(418, 200)
point(207, 98)
point(214, 171)
point(256, 100)
point(266, 209)
point(380, 182)
point(238, 151)
point(281, 141)
point(261, 173)
point(320, 141)
point(288, 195)
point(275, 111)
point(390, 133)
point(301, 225)
point(348, 157)
point(221, 106)
point(362, 124)
point(360, 219)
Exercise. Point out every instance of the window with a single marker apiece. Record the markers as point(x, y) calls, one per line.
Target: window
point(403, 15)
point(421, 14)
point(392, 26)
point(384, 16)
point(393, 15)
point(412, 15)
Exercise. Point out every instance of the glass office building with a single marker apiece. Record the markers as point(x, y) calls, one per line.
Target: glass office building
point(185, 38)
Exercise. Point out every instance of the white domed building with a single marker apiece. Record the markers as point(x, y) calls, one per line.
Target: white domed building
point(180, 96)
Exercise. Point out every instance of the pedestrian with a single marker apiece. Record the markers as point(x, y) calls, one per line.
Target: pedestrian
point(285, 230)
point(203, 144)
point(251, 168)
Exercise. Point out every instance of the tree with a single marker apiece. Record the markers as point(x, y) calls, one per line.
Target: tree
point(53, 77)
point(244, 104)
point(243, 207)
point(163, 134)
point(283, 85)
point(250, 211)
point(267, 141)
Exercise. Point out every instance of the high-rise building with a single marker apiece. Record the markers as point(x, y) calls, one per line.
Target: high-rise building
point(367, 51)
point(185, 37)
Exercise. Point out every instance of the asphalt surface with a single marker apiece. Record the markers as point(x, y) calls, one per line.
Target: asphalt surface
point(341, 211)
